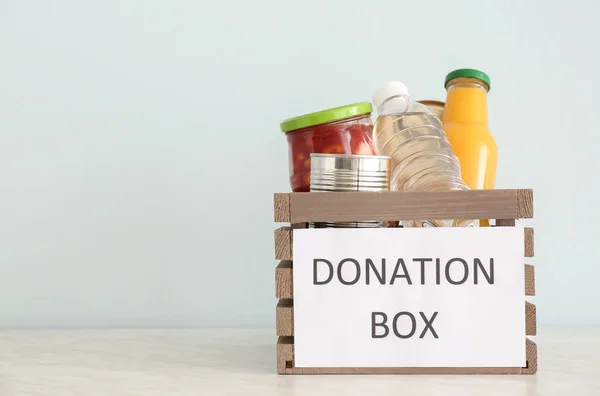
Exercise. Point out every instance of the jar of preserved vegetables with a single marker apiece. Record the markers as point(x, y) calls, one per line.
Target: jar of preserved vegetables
point(341, 130)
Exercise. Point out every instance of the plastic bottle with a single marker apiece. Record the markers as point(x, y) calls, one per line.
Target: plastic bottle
point(466, 124)
point(421, 156)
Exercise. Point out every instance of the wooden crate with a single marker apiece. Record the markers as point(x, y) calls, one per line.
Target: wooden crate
point(298, 209)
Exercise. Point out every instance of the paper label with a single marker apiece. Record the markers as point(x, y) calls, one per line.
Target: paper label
point(409, 297)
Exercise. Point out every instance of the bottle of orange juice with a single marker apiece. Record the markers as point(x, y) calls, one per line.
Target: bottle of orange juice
point(466, 125)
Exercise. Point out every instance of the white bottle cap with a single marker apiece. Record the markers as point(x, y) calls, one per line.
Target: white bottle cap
point(389, 90)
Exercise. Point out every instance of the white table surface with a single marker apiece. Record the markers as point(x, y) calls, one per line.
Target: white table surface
point(242, 362)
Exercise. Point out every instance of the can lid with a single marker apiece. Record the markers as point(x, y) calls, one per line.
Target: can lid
point(369, 157)
point(467, 73)
point(323, 116)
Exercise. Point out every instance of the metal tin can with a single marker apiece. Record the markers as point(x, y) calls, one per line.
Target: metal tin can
point(345, 173)
point(436, 107)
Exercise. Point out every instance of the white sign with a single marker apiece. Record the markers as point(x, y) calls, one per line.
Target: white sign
point(409, 297)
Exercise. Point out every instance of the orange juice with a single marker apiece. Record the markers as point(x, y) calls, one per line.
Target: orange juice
point(466, 125)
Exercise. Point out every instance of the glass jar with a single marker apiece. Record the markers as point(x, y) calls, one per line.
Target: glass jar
point(341, 130)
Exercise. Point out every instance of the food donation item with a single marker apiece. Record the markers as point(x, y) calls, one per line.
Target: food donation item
point(341, 130)
point(435, 106)
point(465, 122)
point(421, 156)
point(466, 125)
point(349, 173)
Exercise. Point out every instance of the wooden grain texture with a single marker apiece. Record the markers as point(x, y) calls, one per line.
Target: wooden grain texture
point(505, 222)
point(283, 280)
point(394, 205)
point(284, 283)
point(532, 358)
point(285, 318)
point(282, 207)
point(284, 243)
point(529, 281)
point(530, 319)
point(529, 243)
point(524, 204)
point(285, 365)
point(285, 354)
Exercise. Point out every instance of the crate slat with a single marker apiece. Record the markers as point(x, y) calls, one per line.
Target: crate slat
point(529, 280)
point(524, 204)
point(282, 207)
point(394, 205)
point(529, 242)
point(505, 222)
point(530, 319)
point(285, 355)
point(532, 358)
point(284, 318)
point(285, 365)
point(283, 280)
point(284, 243)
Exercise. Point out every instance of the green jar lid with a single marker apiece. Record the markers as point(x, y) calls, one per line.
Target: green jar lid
point(467, 73)
point(321, 117)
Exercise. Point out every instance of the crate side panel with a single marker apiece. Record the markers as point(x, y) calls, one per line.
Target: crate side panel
point(366, 206)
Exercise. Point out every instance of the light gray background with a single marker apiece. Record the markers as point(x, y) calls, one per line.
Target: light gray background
point(139, 142)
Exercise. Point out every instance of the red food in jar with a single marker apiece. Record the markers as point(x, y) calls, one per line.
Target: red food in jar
point(361, 142)
point(342, 130)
